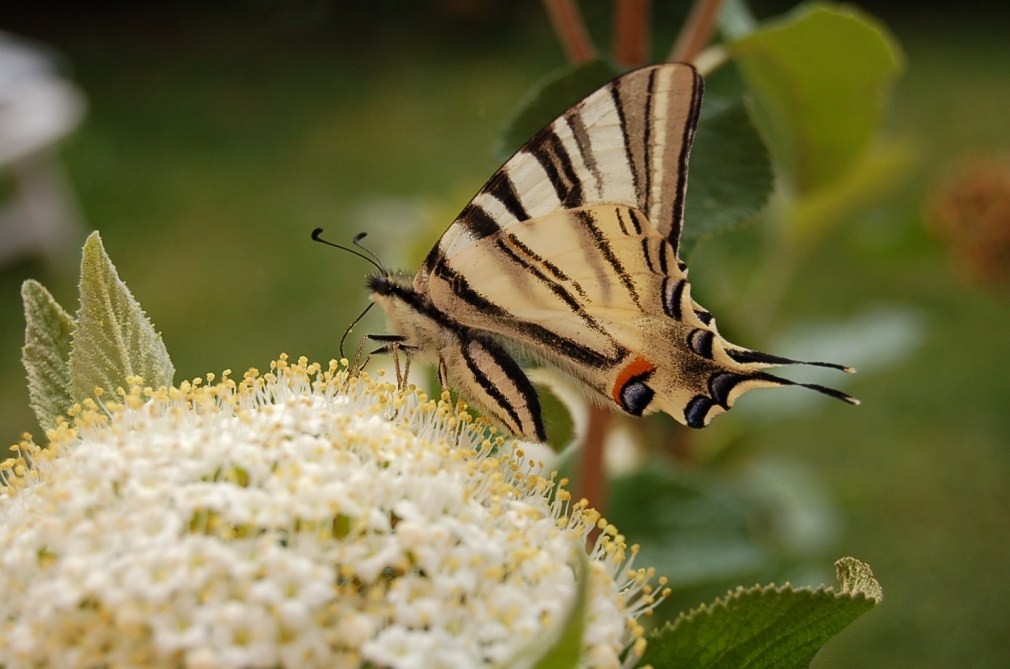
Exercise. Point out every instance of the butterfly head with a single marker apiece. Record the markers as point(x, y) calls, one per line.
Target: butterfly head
point(394, 293)
point(387, 286)
point(409, 315)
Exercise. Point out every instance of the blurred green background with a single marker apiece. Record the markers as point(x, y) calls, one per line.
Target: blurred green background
point(218, 135)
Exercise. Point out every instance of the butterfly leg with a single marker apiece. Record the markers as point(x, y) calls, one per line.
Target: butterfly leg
point(394, 344)
point(406, 371)
point(400, 377)
point(360, 364)
point(356, 364)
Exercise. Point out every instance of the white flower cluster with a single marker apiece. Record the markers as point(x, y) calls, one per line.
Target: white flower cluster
point(300, 518)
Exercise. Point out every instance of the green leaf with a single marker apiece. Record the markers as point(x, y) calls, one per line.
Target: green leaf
point(690, 528)
point(560, 646)
point(736, 20)
point(549, 99)
point(765, 627)
point(819, 77)
point(873, 174)
point(49, 330)
point(856, 578)
point(557, 418)
point(558, 404)
point(730, 176)
point(114, 338)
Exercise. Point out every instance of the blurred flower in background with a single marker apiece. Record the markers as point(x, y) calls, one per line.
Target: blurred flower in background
point(970, 213)
point(38, 108)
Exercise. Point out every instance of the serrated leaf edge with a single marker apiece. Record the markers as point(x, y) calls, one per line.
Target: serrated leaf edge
point(837, 592)
point(855, 577)
point(98, 273)
point(724, 602)
point(46, 364)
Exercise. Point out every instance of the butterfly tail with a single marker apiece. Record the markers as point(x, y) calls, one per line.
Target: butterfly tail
point(746, 356)
point(824, 390)
point(725, 387)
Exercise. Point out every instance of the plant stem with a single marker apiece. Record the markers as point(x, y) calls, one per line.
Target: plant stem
point(697, 30)
point(571, 30)
point(592, 481)
point(631, 32)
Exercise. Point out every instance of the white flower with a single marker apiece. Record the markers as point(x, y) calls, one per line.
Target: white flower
point(302, 518)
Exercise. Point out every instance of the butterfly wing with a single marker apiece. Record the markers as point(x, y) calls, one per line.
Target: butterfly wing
point(491, 379)
point(627, 143)
point(570, 250)
point(467, 360)
point(599, 292)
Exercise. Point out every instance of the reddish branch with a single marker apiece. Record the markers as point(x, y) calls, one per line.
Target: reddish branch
point(571, 30)
point(697, 31)
point(592, 479)
point(631, 32)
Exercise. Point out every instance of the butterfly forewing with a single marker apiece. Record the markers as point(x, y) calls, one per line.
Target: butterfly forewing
point(627, 143)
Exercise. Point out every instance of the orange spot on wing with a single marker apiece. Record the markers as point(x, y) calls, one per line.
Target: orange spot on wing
point(636, 367)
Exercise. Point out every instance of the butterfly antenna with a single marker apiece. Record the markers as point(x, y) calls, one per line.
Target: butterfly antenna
point(353, 323)
point(357, 242)
point(370, 258)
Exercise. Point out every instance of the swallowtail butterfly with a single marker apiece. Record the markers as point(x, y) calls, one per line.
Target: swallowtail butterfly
point(569, 254)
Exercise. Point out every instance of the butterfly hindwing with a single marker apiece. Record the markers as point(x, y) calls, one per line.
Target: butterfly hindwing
point(492, 380)
point(598, 292)
point(467, 360)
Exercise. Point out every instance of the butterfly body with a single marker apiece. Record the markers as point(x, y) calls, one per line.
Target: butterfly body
point(569, 253)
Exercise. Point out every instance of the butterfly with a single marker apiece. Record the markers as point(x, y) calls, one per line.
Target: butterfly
point(569, 255)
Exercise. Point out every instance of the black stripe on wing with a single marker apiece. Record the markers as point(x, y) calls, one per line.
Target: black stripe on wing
point(502, 189)
point(540, 261)
point(584, 144)
point(677, 216)
point(556, 288)
point(600, 243)
point(636, 225)
point(647, 255)
point(526, 330)
point(549, 150)
point(525, 415)
point(747, 356)
point(645, 197)
point(478, 222)
point(615, 96)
